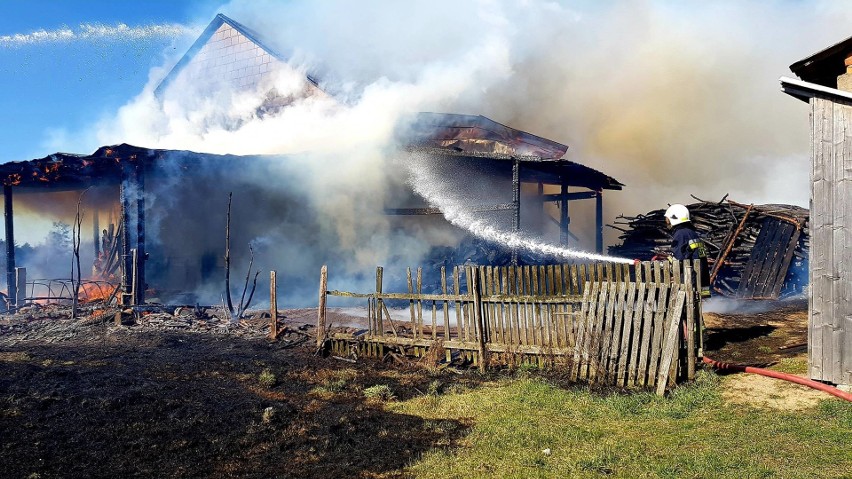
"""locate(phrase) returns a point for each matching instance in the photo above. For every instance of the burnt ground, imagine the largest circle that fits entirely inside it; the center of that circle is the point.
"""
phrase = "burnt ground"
(87, 398)
(757, 333)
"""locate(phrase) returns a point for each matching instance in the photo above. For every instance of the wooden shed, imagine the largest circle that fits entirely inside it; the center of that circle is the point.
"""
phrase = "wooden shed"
(826, 84)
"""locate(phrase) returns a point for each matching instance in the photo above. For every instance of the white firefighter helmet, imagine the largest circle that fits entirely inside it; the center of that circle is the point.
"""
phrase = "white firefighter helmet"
(677, 214)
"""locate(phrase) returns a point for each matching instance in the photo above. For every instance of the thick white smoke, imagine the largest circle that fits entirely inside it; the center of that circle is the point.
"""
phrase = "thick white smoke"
(670, 98)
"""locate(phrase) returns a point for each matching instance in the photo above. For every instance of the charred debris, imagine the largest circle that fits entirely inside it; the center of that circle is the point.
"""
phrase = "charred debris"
(754, 251)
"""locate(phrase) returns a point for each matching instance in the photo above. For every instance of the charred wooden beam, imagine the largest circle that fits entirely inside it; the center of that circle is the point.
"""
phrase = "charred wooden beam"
(96, 233)
(11, 286)
(577, 195)
(516, 200)
(124, 227)
(599, 222)
(141, 256)
(564, 219)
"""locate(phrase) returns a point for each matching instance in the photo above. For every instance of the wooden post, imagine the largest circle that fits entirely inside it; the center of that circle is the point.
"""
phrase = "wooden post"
(134, 276)
(323, 289)
(21, 286)
(599, 222)
(11, 285)
(379, 303)
(411, 305)
(516, 203)
(96, 230)
(446, 306)
(477, 314)
(699, 311)
(126, 260)
(141, 257)
(564, 219)
(273, 304)
(692, 295)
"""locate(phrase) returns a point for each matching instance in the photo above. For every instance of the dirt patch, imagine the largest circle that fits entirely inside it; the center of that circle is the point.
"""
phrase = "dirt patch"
(761, 391)
(759, 338)
(768, 335)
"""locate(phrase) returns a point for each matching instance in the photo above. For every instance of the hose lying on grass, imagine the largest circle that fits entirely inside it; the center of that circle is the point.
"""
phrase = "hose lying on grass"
(775, 374)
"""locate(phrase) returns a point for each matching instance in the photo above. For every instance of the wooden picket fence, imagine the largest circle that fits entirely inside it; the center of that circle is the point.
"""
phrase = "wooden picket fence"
(625, 325)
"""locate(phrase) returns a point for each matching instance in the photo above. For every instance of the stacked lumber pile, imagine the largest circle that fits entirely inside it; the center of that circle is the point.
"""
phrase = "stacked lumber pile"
(730, 231)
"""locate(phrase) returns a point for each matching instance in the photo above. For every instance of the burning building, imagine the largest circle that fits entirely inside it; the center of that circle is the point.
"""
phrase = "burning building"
(157, 216)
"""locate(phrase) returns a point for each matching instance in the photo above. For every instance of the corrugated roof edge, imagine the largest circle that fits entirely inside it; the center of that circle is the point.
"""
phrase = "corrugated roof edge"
(202, 39)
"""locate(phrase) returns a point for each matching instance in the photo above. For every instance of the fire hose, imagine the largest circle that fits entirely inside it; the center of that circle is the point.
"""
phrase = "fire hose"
(775, 374)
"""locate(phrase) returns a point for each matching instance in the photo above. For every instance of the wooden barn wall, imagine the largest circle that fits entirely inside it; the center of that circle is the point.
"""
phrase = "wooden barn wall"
(830, 312)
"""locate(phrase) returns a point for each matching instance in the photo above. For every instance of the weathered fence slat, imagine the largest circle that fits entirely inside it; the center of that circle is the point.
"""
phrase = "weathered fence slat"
(500, 327)
(515, 306)
(610, 329)
(627, 324)
(476, 288)
(460, 327)
(659, 316)
(637, 334)
(647, 330)
(596, 330)
(445, 303)
(672, 323)
(506, 308)
(587, 327)
(580, 332)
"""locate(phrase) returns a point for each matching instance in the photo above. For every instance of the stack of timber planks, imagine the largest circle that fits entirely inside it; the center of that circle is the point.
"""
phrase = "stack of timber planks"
(754, 251)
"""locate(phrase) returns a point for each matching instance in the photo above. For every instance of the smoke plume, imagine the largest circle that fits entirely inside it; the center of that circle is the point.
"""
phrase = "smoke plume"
(671, 99)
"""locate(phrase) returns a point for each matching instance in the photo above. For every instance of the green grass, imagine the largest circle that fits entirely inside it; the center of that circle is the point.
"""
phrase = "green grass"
(798, 365)
(690, 434)
(267, 379)
(379, 391)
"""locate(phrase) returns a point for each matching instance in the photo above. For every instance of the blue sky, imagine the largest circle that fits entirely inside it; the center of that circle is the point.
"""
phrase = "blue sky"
(54, 88)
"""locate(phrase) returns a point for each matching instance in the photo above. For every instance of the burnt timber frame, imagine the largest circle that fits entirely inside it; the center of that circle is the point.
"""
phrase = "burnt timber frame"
(535, 169)
(122, 165)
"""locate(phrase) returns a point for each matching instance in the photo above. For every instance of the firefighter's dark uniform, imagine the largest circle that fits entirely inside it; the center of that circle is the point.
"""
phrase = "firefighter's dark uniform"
(687, 245)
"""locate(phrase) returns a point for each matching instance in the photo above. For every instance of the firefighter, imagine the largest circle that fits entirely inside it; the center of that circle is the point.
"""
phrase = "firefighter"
(687, 244)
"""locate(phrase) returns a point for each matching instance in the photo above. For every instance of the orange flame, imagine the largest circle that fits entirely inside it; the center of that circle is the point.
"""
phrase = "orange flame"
(92, 292)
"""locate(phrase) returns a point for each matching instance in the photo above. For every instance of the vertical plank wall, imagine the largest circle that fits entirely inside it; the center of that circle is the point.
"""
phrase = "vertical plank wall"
(830, 271)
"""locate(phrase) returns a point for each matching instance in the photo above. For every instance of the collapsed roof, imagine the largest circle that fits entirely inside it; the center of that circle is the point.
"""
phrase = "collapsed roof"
(491, 143)
(478, 134)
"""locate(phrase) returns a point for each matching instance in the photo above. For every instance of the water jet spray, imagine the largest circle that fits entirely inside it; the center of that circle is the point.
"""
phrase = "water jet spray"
(459, 214)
